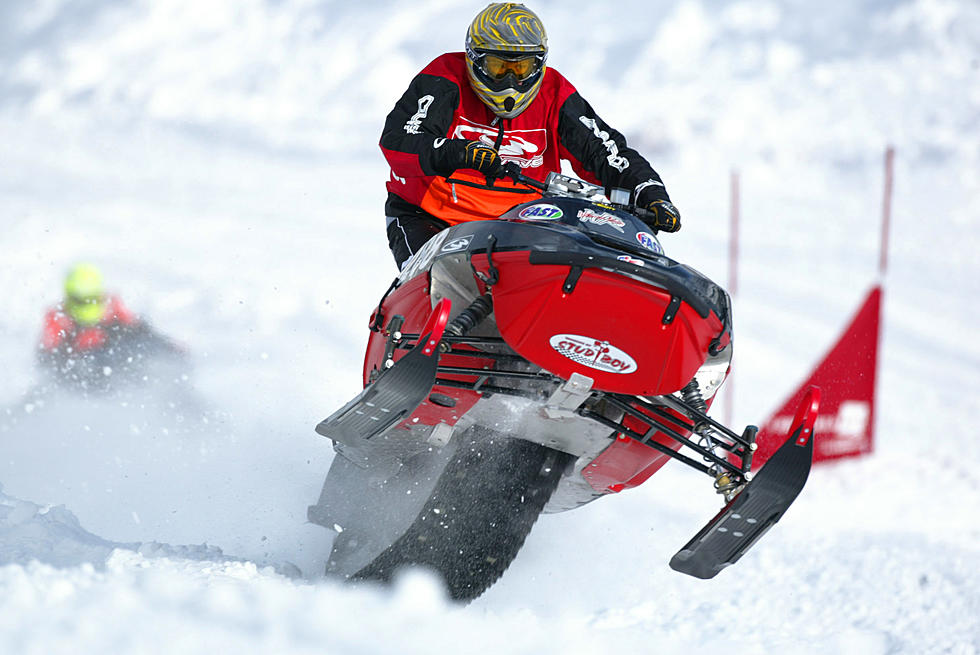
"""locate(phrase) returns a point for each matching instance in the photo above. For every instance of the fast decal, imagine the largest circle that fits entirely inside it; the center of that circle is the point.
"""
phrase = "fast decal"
(541, 212)
(457, 244)
(647, 241)
(523, 147)
(615, 160)
(601, 218)
(415, 122)
(631, 260)
(422, 259)
(593, 353)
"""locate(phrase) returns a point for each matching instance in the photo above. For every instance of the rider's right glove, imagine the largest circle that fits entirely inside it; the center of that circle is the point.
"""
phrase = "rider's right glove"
(666, 217)
(454, 154)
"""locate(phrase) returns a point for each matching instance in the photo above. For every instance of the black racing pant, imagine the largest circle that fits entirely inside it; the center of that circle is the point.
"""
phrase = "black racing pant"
(408, 228)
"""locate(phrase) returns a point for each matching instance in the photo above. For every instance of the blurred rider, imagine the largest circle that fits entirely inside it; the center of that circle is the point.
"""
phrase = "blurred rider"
(83, 321)
(467, 113)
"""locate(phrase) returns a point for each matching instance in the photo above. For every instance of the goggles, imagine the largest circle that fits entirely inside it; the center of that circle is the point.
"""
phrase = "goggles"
(87, 310)
(88, 299)
(498, 66)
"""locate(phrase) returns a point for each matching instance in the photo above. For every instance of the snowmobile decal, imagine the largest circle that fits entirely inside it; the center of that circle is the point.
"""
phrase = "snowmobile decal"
(594, 353)
(456, 244)
(421, 260)
(541, 212)
(647, 241)
(602, 218)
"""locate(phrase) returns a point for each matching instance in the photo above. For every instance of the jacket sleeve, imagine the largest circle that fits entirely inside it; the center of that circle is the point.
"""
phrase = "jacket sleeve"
(117, 312)
(422, 115)
(55, 329)
(593, 147)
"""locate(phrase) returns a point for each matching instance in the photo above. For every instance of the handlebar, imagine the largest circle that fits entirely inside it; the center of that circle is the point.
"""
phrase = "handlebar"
(569, 187)
(513, 171)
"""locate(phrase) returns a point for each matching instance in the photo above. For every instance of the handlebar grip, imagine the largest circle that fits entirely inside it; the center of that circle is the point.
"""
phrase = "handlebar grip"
(512, 170)
(644, 215)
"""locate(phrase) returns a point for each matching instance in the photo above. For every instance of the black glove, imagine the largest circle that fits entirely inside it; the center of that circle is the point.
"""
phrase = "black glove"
(665, 217)
(453, 154)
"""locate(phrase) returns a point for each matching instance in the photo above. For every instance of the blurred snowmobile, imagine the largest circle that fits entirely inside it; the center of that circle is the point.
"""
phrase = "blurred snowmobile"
(533, 364)
(91, 343)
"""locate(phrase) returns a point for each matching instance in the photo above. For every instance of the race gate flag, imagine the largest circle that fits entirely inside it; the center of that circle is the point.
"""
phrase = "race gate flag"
(847, 376)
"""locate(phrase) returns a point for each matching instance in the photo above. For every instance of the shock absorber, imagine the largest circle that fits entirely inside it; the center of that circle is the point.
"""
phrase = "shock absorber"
(468, 319)
(724, 483)
(692, 396)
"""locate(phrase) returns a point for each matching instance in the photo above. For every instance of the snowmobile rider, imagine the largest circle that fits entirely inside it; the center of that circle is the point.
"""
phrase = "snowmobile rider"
(466, 114)
(90, 330)
(81, 322)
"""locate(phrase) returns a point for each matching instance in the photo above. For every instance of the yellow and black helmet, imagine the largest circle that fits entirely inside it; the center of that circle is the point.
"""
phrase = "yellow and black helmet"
(506, 51)
(85, 300)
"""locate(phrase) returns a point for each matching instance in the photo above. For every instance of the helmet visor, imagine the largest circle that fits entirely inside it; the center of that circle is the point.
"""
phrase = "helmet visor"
(499, 66)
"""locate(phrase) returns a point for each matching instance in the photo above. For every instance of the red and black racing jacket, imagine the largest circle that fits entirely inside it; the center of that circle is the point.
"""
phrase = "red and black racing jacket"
(61, 330)
(558, 124)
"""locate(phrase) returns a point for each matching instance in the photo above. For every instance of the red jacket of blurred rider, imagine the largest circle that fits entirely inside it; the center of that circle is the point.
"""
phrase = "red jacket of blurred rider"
(60, 330)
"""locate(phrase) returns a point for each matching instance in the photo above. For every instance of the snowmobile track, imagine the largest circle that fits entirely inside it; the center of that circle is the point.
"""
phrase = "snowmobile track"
(478, 516)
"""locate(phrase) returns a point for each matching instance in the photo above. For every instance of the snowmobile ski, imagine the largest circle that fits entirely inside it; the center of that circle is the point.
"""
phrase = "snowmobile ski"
(759, 505)
(395, 394)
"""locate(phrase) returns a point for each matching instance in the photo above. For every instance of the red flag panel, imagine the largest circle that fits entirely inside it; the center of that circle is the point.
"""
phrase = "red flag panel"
(847, 375)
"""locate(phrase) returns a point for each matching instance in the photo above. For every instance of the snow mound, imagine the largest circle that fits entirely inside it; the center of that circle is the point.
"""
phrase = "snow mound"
(54, 536)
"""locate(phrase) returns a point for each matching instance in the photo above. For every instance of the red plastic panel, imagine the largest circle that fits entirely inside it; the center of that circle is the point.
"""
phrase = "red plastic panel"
(609, 328)
(625, 463)
(430, 413)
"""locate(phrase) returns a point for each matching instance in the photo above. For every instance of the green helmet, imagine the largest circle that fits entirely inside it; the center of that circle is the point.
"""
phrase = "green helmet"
(84, 294)
(506, 51)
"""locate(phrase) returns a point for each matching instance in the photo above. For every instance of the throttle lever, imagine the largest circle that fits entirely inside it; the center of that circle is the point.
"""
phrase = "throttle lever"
(513, 171)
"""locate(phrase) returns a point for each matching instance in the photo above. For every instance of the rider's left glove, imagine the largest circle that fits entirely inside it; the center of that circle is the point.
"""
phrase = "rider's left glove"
(664, 216)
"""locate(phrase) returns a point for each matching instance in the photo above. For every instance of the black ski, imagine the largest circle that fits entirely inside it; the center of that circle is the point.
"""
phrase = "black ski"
(758, 506)
(394, 395)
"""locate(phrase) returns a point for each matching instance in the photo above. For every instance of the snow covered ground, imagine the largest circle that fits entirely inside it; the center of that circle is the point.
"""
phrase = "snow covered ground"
(218, 160)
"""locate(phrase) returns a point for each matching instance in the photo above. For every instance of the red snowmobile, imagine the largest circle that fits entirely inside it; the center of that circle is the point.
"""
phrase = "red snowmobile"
(533, 364)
